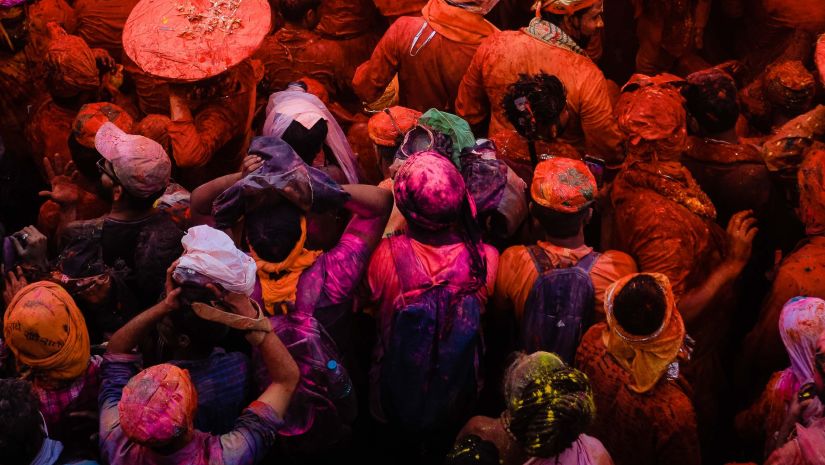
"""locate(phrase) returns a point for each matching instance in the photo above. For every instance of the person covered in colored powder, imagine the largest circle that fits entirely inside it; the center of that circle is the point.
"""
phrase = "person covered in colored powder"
(645, 415)
(552, 43)
(548, 407)
(444, 38)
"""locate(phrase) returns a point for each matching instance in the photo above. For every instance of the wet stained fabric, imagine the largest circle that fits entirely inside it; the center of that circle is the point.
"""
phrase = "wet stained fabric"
(394, 8)
(657, 427)
(517, 273)
(346, 18)
(429, 72)
(48, 132)
(513, 149)
(503, 56)
(15, 73)
(100, 23)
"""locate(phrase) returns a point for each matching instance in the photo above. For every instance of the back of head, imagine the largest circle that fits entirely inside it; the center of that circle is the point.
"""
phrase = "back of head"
(789, 87)
(203, 334)
(274, 231)
(712, 100)
(534, 103)
(548, 404)
(562, 192)
(653, 119)
(158, 405)
(20, 422)
(306, 142)
(640, 306)
(86, 124)
(294, 11)
(555, 11)
(429, 191)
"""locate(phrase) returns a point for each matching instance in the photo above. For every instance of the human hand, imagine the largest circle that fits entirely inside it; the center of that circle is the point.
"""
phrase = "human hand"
(63, 177)
(104, 61)
(238, 304)
(14, 281)
(172, 289)
(31, 246)
(741, 231)
(250, 164)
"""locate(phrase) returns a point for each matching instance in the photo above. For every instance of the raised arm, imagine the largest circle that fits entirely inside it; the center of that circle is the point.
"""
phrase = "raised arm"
(203, 196)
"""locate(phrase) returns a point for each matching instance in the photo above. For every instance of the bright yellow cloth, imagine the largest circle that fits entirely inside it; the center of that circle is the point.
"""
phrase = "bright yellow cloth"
(645, 357)
(279, 281)
(45, 330)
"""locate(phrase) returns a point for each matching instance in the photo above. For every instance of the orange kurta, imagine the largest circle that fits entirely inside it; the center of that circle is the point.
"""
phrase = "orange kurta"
(504, 55)
(429, 79)
(346, 18)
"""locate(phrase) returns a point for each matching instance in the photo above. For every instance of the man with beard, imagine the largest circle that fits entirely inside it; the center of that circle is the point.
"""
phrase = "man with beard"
(553, 43)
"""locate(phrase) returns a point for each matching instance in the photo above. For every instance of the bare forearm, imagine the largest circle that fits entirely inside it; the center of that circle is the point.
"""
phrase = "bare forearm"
(282, 370)
(128, 337)
(693, 304)
(368, 201)
(179, 110)
(203, 196)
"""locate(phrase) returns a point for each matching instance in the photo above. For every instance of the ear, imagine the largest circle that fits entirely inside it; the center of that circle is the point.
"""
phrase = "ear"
(184, 341)
(117, 192)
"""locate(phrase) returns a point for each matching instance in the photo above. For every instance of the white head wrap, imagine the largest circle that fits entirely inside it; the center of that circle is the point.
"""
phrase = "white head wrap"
(212, 253)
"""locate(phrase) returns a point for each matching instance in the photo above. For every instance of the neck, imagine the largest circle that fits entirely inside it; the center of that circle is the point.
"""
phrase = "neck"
(122, 213)
(726, 136)
(434, 238)
(572, 242)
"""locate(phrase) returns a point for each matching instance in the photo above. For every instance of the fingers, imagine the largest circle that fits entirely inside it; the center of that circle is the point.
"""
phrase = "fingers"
(46, 194)
(47, 165)
(18, 247)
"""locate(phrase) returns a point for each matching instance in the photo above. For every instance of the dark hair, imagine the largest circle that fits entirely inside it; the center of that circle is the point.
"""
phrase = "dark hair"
(559, 224)
(294, 11)
(547, 98)
(20, 421)
(273, 231)
(713, 104)
(136, 203)
(553, 412)
(84, 158)
(640, 306)
(472, 450)
(203, 333)
(306, 142)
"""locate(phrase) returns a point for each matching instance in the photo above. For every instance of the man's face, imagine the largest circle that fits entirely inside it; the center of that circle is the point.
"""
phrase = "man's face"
(591, 22)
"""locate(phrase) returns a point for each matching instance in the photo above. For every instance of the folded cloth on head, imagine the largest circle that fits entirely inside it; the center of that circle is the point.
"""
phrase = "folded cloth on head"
(453, 126)
(211, 253)
(283, 176)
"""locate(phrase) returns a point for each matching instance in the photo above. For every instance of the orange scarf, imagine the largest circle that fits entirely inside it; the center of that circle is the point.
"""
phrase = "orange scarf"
(279, 281)
(647, 358)
(457, 24)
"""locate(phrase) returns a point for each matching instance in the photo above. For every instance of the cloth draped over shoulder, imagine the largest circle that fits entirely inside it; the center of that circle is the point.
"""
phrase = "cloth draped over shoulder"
(647, 358)
(287, 106)
(60, 351)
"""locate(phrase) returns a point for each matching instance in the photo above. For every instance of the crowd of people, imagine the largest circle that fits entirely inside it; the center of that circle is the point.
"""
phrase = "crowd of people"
(567, 232)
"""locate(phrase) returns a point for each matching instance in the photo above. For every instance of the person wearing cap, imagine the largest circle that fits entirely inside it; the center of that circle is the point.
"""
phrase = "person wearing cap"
(645, 415)
(65, 376)
(670, 33)
(553, 43)
(563, 193)
(147, 417)
(134, 237)
(297, 50)
(428, 53)
(445, 241)
(799, 273)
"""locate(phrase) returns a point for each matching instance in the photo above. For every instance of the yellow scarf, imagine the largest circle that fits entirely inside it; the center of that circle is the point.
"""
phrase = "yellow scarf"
(279, 281)
(647, 358)
(457, 24)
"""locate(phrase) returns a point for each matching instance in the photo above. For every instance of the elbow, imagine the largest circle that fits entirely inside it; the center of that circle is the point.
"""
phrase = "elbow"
(292, 375)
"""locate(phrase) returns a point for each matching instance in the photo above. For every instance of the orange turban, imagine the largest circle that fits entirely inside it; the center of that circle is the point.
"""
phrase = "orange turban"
(384, 130)
(653, 114)
(563, 185)
(46, 331)
(72, 65)
(92, 116)
(158, 405)
(647, 358)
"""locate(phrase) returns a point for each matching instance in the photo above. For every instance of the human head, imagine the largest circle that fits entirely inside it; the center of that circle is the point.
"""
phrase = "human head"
(801, 323)
(61, 350)
(645, 331)
(86, 124)
(548, 404)
(210, 257)
(580, 19)
(472, 450)
(536, 106)
(711, 98)
(789, 87)
(300, 12)
(275, 231)
(562, 192)
(158, 406)
(21, 424)
(429, 191)
(70, 63)
(306, 142)
(654, 121)
(13, 21)
(183, 334)
(811, 181)
(387, 129)
(134, 168)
